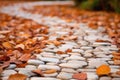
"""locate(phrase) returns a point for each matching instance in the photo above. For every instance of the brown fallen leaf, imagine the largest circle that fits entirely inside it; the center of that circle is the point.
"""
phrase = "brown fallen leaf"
(38, 71)
(17, 76)
(25, 57)
(60, 52)
(68, 50)
(4, 58)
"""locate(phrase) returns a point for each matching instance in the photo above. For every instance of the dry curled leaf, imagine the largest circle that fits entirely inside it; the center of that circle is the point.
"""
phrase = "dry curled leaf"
(103, 70)
(17, 76)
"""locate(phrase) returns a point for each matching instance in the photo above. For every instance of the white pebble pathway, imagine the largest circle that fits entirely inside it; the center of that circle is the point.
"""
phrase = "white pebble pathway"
(86, 54)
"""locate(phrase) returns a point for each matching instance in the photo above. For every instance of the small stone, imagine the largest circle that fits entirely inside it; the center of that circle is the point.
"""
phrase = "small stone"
(92, 76)
(46, 59)
(70, 65)
(86, 48)
(11, 66)
(43, 78)
(27, 72)
(35, 62)
(88, 55)
(6, 73)
(93, 63)
(77, 50)
(51, 63)
(74, 57)
(44, 67)
(80, 76)
(101, 44)
(86, 70)
(105, 78)
(68, 70)
(64, 75)
(32, 67)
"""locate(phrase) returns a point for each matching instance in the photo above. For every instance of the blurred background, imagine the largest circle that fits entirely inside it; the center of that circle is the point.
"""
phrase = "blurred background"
(97, 5)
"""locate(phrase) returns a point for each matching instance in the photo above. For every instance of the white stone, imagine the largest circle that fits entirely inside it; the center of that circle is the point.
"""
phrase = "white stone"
(30, 67)
(91, 76)
(77, 50)
(27, 72)
(101, 44)
(44, 67)
(68, 70)
(86, 70)
(43, 78)
(88, 55)
(74, 57)
(74, 64)
(86, 48)
(6, 73)
(47, 59)
(64, 75)
(94, 63)
(12, 66)
(35, 62)
(105, 78)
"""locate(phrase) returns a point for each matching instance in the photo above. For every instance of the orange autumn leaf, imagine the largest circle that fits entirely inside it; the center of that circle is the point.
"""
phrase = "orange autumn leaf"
(103, 70)
(7, 45)
(17, 76)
